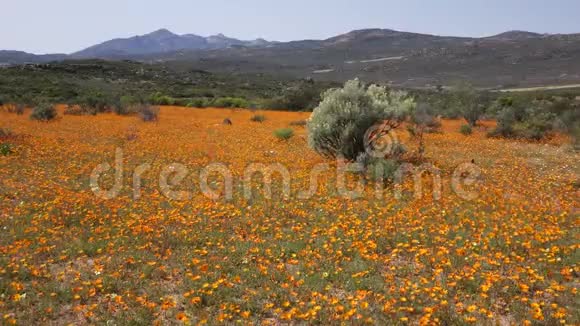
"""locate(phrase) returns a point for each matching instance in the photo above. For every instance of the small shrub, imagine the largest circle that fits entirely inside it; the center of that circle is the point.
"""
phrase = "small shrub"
(381, 169)
(43, 112)
(506, 118)
(533, 123)
(126, 105)
(298, 123)
(5, 149)
(19, 108)
(198, 103)
(424, 121)
(79, 110)
(180, 102)
(132, 133)
(533, 129)
(466, 130)
(299, 98)
(5, 133)
(575, 134)
(284, 133)
(149, 113)
(397, 151)
(258, 118)
(433, 127)
(128, 100)
(468, 102)
(159, 99)
(569, 122)
(15, 108)
(411, 129)
(423, 116)
(72, 110)
(93, 103)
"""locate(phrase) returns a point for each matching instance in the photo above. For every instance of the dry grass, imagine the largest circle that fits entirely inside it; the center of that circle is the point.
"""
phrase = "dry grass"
(68, 257)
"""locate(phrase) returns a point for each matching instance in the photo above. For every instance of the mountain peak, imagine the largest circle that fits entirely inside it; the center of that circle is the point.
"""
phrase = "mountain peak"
(163, 32)
(365, 34)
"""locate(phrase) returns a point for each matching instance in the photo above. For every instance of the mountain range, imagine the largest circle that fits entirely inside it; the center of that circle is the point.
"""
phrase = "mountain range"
(409, 59)
(162, 41)
(158, 42)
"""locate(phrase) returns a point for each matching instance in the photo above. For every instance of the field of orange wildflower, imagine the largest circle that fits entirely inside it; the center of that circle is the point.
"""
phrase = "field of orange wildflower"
(508, 256)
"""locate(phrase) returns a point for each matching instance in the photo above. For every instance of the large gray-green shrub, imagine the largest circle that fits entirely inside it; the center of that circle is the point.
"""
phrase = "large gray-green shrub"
(338, 125)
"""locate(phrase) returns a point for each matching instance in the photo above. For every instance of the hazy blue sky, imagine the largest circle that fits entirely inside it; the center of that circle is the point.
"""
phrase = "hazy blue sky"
(47, 26)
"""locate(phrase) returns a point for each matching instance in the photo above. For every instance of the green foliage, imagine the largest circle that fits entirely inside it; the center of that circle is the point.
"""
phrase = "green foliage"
(284, 133)
(126, 105)
(160, 99)
(469, 102)
(258, 118)
(230, 102)
(532, 123)
(466, 130)
(128, 101)
(6, 149)
(198, 103)
(43, 112)
(298, 123)
(506, 118)
(423, 117)
(339, 124)
(569, 122)
(221, 102)
(94, 102)
(71, 80)
(442, 103)
(560, 106)
(536, 127)
(302, 97)
(148, 113)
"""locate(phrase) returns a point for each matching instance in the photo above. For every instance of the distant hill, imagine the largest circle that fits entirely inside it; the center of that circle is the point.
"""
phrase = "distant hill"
(514, 58)
(516, 35)
(19, 57)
